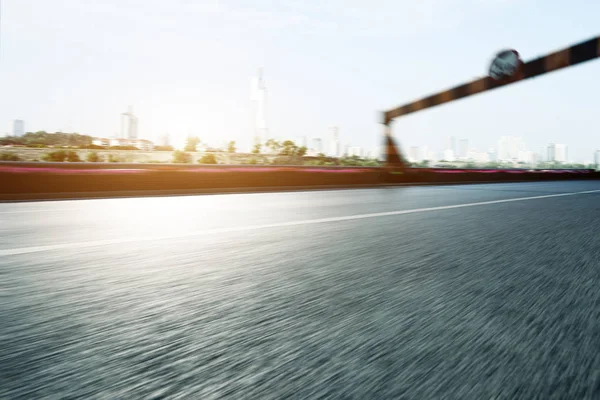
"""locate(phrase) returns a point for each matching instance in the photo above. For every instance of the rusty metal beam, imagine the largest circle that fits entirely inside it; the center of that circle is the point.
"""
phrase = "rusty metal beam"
(576, 54)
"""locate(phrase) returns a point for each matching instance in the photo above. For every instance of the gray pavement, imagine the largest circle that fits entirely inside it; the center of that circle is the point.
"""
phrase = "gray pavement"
(450, 292)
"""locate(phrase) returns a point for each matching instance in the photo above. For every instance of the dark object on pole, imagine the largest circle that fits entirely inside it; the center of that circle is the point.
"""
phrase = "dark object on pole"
(506, 64)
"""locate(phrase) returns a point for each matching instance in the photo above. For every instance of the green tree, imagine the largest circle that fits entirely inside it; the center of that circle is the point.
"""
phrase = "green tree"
(421, 164)
(9, 157)
(287, 148)
(445, 165)
(73, 156)
(163, 148)
(352, 161)
(301, 151)
(61, 156)
(191, 144)
(11, 140)
(55, 156)
(123, 148)
(181, 157)
(94, 157)
(273, 144)
(492, 165)
(256, 148)
(113, 158)
(231, 147)
(43, 138)
(371, 163)
(208, 159)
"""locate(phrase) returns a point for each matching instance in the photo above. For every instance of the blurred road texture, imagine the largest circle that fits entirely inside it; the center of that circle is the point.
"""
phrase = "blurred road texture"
(450, 292)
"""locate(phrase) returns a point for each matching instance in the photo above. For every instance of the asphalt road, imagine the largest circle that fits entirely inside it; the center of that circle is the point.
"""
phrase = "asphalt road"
(450, 292)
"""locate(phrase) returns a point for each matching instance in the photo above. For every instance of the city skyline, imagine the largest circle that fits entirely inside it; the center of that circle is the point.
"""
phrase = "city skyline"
(507, 148)
(70, 78)
(510, 149)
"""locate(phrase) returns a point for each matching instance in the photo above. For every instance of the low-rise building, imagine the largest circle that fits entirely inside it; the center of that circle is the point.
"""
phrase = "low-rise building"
(101, 142)
(141, 144)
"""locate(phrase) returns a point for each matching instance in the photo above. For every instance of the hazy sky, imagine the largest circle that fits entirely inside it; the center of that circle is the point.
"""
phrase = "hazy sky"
(186, 65)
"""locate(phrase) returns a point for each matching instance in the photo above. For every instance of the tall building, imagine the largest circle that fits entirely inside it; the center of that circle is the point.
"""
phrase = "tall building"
(557, 152)
(562, 153)
(463, 148)
(509, 148)
(597, 158)
(355, 151)
(551, 152)
(448, 155)
(258, 97)
(478, 156)
(17, 127)
(317, 145)
(129, 125)
(335, 147)
(527, 157)
(451, 144)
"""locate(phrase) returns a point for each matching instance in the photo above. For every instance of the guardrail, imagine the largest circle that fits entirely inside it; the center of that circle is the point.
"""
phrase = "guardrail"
(14, 165)
(169, 166)
(20, 180)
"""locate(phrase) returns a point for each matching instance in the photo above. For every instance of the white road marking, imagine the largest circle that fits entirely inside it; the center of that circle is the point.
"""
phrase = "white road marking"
(95, 243)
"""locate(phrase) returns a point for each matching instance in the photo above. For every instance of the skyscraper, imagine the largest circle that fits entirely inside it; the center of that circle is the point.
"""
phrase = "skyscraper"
(129, 125)
(551, 152)
(463, 148)
(597, 158)
(448, 155)
(258, 97)
(317, 145)
(526, 156)
(562, 153)
(355, 151)
(334, 150)
(509, 148)
(17, 127)
(451, 144)
(557, 152)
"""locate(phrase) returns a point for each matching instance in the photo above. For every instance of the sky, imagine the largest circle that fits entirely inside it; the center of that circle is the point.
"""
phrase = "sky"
(186, 65)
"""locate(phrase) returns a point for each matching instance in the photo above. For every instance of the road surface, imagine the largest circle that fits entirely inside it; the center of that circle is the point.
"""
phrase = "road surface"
(451, 292)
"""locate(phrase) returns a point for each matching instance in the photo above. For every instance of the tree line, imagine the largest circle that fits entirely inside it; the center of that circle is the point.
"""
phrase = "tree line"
(282, 148)
(46, 139)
